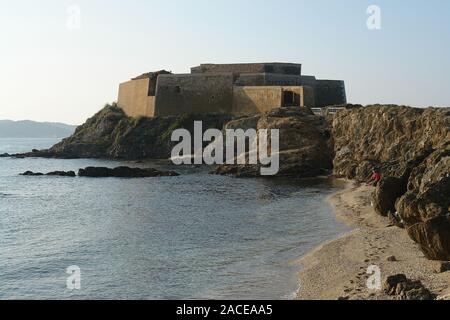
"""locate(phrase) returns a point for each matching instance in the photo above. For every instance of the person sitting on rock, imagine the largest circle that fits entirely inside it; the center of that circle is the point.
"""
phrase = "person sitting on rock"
(375, 178)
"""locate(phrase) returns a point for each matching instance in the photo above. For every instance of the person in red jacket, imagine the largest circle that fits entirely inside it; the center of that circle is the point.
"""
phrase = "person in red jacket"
(375, 178)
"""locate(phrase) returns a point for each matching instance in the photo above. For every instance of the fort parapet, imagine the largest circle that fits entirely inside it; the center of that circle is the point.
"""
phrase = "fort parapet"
(238, 89)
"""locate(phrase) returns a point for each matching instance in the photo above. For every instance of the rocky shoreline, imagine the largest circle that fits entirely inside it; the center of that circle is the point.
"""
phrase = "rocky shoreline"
(341, 268)
(110, 134)
(411, 147)
(103, 172)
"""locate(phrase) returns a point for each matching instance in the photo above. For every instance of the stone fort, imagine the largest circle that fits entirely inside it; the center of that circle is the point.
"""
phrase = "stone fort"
(237, 89)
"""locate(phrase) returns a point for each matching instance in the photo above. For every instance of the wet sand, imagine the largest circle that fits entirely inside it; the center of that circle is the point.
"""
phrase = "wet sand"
(339, 269)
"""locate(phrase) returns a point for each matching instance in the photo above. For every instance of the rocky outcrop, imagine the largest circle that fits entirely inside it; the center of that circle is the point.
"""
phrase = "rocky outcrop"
(393, 138)
(428, 193)
(386, 194)
(425, 208)
(305, 143)
(412, 149)
(62, 173)
(433, 236)
(111, 134)
(31, 173)
(54, 173)
(124, 172)
(101, 172)
(402, 288)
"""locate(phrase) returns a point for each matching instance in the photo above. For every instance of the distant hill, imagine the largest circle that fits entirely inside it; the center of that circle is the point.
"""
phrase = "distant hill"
(32, 129)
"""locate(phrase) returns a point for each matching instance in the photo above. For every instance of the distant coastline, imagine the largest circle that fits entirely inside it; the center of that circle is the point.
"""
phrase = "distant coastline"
(33, 129)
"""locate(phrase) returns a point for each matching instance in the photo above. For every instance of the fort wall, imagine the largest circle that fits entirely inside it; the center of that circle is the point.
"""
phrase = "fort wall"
(254, 100)
(308, 98)
(259, 99)
(309, 81)
(199, 93)
(134, 99)
(329, 93)
(273, 79)
(257, 79)
(268, 79)
(243, 68)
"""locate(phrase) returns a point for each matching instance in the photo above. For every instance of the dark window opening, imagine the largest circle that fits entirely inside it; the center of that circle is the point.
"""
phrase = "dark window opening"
(291, 99)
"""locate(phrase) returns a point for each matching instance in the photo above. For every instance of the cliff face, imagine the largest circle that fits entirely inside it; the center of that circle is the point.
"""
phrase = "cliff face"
(111, 134)
(393, 138)
(412, 149)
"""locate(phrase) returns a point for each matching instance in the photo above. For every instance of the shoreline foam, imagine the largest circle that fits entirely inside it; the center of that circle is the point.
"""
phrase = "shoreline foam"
(337, 269)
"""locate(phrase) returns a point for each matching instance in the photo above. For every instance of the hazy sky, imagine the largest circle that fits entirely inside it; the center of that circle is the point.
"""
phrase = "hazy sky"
(51, 70)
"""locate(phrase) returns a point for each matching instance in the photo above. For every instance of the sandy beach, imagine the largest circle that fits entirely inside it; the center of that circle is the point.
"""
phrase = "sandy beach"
(339, 269)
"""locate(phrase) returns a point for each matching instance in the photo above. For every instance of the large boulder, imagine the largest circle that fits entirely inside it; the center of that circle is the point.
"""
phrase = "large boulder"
(425, 208)
(402, 288)
(299, 163)
(386, 194)
(433, 236)
(305, 143)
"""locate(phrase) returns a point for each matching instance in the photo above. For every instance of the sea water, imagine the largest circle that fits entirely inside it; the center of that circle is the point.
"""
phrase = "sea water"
(195, 236)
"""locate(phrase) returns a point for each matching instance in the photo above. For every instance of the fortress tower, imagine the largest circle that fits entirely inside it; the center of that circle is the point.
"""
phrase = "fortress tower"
(239, 89)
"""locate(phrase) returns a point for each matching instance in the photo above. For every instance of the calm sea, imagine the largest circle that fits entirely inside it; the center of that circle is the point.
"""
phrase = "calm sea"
(196, 236)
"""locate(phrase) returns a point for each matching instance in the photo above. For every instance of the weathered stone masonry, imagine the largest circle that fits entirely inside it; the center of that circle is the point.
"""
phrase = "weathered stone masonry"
(239, 89)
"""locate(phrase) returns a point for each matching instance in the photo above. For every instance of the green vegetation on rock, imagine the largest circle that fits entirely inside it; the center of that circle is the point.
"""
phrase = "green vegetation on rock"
(111, 134)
